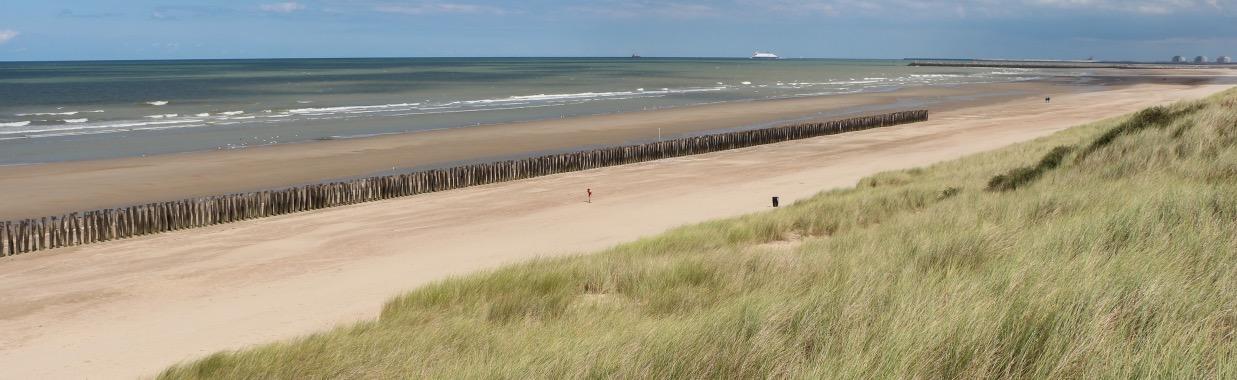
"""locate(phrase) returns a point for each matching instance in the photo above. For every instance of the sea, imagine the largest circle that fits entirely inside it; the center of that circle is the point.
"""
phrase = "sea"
(62, 111)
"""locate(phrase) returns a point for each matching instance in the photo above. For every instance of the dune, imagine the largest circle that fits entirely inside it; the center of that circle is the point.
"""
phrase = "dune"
(130, 308)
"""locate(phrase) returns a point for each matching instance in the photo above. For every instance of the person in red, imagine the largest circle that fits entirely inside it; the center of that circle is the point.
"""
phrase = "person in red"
(590, 195)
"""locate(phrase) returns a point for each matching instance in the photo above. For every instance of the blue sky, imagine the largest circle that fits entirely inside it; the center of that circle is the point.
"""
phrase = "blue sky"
(171, 29)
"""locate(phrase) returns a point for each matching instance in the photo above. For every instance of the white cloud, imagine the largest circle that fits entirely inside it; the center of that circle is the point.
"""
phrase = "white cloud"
(435, 7)
(633, 9)
(7, 35)
(805, 7)
(285, 7)
(1137, 6)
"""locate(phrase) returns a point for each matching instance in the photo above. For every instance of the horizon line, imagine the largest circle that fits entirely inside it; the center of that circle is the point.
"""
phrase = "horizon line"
(573, 57)
(442, 57)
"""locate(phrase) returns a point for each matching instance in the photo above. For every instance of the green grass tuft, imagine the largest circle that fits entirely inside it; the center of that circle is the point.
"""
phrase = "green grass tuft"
(1025, 175)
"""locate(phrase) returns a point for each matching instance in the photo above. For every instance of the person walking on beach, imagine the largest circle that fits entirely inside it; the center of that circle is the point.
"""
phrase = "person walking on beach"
(1048, 100)
(590, 195)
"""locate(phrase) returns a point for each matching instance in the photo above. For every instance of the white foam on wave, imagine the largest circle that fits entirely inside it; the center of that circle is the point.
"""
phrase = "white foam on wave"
(145, 123)
(746, 83)
(172, 121)
(61, 114)
(15, 124)
(477, 104)
(327, 110)
(157, 102)
(460, 110)
(80, 129)
(1010, 71)
(586, 95)
(48, 113)
(936, 76)
(161, 128)
(67, 113)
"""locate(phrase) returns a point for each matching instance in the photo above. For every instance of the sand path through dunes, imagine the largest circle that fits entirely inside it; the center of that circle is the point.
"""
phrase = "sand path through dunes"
(130, 308)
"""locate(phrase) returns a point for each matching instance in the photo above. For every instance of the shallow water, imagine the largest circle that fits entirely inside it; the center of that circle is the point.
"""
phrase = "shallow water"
(56, 111)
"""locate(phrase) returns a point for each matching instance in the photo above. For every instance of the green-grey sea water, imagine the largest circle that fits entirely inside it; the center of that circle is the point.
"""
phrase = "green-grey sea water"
(56, 111)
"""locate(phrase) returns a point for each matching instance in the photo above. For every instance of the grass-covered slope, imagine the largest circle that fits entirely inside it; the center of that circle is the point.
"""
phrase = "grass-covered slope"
(1105, 251)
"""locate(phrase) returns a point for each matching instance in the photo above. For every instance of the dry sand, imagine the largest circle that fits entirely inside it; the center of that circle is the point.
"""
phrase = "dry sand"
(129, 308)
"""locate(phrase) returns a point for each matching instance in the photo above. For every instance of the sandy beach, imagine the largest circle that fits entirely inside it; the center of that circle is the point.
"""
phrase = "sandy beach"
(60, 188)
(130, 308)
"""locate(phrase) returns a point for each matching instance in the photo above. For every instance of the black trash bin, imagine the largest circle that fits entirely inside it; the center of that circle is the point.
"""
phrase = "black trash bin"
(774, 201)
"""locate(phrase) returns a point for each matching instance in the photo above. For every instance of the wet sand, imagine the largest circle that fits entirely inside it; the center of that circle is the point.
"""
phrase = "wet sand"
(130, 308)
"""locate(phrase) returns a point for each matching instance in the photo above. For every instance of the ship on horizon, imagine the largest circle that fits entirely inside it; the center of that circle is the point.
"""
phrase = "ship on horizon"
(764, 55)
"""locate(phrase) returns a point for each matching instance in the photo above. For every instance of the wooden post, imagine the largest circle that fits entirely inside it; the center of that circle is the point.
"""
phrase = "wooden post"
(5, 249)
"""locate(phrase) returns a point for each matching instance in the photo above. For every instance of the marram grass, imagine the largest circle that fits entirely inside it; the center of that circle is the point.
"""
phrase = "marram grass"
(1108, 251)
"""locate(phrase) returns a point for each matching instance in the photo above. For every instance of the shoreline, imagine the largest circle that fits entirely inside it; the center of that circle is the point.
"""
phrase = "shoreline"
(38, 190)
(660, 109)
(190, 293)
(58, 188)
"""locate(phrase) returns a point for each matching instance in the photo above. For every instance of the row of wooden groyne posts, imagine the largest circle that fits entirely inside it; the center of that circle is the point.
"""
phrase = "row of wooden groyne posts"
(30, 235)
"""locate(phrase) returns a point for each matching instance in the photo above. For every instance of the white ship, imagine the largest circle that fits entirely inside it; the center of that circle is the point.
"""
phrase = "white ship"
(764, 55)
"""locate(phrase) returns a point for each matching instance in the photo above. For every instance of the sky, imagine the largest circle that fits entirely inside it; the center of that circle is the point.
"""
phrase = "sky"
(1152, 30)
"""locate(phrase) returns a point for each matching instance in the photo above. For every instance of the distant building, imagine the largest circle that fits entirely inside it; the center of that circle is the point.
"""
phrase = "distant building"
(1224, 60)
(1178, 59)
(1201, 59)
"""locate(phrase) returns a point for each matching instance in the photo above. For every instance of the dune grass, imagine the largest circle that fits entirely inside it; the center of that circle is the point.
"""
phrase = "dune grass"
(1104, 251)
